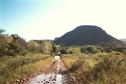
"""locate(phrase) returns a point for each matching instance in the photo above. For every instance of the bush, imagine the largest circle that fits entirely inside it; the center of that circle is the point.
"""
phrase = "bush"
(89, 49)
(64, 51)
(111, 70)
(34, 46)
(77, 65)
(74, 50)
(13, 46)
(3, 48)
(47, 47)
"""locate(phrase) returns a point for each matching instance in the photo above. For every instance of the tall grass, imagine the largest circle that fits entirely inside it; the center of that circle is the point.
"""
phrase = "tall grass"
(69, 59)
(111, 70)
(99, 68)
(12, 68)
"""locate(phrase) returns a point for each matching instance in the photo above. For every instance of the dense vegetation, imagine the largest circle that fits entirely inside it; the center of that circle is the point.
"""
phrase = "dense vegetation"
(19, 58)
(12, 68)
(15, 45)
(89, 64)
(99, 68)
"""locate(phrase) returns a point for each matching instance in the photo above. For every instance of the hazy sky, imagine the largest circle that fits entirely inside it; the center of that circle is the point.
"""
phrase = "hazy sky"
(47, 19)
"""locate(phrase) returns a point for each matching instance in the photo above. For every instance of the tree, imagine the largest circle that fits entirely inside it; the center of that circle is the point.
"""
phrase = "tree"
(1, 31)
(47, 47)
(89, 49)
(33, 46)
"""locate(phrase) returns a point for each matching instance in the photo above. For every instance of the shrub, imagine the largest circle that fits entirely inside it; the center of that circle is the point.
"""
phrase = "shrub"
(89, 49)
(33, 46)
(111, 70)
(76, 65)
(12, 46)
(47, 47)
(64, 51)
(74, 50)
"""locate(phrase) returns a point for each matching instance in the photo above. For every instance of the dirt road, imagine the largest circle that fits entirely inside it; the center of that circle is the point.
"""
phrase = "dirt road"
(53, 74)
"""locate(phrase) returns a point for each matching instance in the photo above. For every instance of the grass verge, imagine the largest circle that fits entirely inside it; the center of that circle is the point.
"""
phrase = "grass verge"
(12, 68)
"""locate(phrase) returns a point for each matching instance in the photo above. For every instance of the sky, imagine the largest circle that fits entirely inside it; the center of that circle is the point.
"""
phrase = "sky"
(47, 19)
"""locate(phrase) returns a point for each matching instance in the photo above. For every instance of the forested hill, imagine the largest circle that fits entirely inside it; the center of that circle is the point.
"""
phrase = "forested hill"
(88, 35)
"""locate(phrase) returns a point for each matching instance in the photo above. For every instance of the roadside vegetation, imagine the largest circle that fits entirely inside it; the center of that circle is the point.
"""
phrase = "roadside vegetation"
(12, 68)
(99, 68)
(89, 64)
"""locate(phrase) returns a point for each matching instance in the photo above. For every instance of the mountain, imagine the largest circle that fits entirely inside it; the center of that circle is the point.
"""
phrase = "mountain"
(124, 40)
(88, 35)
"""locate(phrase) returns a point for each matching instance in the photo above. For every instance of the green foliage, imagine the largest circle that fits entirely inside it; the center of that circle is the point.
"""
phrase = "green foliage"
(64, 51)
(54, 49)
(74, 50)
(3, 48)
(12, 45)
(119, 49)
(70, 50)
(16, 48)
(47, 47)
(90, 49)
(43, 46)
(34, 46)
(1, 31)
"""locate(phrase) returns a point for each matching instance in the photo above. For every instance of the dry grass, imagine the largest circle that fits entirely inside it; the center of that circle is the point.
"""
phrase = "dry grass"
(69, 59)
(12, 68)
(99, 68)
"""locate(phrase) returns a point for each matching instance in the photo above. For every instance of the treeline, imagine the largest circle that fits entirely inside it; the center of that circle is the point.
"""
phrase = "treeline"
(82, 49)
(87, 49)
(15, 45)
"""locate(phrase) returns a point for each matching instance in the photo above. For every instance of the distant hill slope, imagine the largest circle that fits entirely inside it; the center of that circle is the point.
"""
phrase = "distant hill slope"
(124, 40)
(88, 35)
